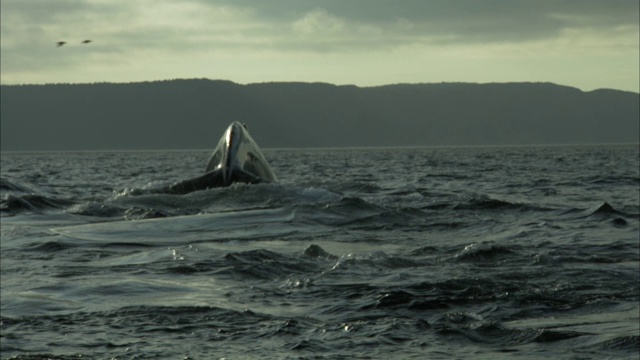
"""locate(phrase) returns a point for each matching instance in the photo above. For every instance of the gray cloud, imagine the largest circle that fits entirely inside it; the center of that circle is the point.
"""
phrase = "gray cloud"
(459, 20)
(197, 32)
(331, 23)
(420, 10)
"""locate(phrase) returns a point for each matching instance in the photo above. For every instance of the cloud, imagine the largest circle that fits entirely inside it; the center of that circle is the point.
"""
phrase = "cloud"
(455, 20)
(288, 24)
(319, 21)
(155, 38)
(123, 32)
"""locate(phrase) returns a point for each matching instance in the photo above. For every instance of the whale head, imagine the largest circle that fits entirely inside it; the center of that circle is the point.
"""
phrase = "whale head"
(237, 158)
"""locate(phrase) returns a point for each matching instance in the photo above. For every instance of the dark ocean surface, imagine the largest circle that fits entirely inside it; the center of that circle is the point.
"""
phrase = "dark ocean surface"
(411, 253)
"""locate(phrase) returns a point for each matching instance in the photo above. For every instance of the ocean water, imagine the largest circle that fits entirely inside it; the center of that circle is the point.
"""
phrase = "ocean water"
(409, 253)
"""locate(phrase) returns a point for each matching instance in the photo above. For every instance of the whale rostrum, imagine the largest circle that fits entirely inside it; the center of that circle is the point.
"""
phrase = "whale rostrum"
(236, 158)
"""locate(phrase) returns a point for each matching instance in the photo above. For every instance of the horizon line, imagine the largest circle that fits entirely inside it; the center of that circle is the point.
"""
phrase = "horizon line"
(308, 82)
(317, 148)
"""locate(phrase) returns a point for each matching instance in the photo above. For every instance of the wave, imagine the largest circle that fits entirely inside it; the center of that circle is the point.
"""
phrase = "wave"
(13, 186)
(613, 180)
(265, 264)
(362, 211)
(315, 251)
(101, 209)
(20, 197)
(604, 212)
(313, 205)
(13, 204)
(484, 252)
(608, 213)
(609, 253)
(49, 247)
(262, 264)
(483, 202)
(629, 344)
(473, 327)
(604, 209)
(235, 197)
(97, 209)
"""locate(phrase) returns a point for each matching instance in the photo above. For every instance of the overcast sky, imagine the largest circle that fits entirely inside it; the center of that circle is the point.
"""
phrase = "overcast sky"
(588, 44)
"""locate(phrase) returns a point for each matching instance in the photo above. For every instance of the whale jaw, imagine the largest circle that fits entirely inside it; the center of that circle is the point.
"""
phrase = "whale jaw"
(237, 158)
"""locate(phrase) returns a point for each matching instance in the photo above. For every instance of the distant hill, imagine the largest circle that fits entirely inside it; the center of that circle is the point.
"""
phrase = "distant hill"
(192, 114)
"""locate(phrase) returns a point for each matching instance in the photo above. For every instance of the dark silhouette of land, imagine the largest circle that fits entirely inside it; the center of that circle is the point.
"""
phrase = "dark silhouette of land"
(192, 114)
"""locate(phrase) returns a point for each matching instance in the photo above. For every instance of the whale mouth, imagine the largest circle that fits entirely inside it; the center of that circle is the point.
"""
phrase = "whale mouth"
(236, 158)
(234, 136)
(239, 159)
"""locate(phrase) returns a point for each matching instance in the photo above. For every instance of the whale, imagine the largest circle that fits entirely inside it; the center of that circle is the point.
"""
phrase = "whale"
(236, 159)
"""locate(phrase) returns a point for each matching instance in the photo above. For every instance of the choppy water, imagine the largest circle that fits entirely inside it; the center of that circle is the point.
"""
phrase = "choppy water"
(357, 253)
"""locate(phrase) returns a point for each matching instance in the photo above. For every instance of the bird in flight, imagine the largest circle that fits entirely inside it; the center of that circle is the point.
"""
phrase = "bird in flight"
(60, 43)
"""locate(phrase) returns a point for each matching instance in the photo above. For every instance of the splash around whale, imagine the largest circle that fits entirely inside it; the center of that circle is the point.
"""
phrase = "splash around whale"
(236, 158)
